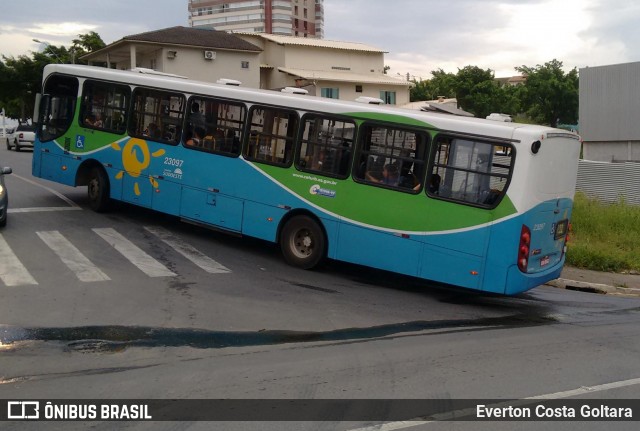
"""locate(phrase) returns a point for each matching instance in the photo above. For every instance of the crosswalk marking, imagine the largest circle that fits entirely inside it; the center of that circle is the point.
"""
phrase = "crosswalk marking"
(188, 251)
(84, 269)
(135, 255)
(12, 271)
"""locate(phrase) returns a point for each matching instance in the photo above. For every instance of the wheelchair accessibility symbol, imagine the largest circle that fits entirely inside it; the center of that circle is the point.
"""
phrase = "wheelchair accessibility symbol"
(80, 141)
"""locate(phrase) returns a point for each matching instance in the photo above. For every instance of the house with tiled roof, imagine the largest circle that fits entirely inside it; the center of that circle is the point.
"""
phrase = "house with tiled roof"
(335, 69)
(202, 54)
(340, 70)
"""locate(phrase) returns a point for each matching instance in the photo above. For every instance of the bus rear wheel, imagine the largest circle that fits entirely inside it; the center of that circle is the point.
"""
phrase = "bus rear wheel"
(303, 242)
(98, 190)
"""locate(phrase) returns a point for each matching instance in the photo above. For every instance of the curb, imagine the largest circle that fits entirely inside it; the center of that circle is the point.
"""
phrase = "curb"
(603, 289)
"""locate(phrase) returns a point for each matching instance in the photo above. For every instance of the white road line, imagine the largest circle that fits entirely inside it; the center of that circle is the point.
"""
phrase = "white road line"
(393, 426)
(84, 269)
(12, 271)
(41, 209)
(188, 251)
(50, 190)
(135, 255)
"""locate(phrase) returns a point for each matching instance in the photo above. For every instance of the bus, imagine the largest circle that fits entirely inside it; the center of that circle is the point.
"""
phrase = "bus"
(461, 201)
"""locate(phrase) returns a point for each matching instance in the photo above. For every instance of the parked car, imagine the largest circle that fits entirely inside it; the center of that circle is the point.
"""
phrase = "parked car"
(4, 199)
(7, 135)
(24, 136)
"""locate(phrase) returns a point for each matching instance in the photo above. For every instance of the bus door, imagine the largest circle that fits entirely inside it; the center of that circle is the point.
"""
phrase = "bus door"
(55, 116)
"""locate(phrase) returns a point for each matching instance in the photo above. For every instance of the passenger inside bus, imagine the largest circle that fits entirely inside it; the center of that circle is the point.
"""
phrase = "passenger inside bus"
(196, 118)
(434, 184)
(374, 168)
(196, 140)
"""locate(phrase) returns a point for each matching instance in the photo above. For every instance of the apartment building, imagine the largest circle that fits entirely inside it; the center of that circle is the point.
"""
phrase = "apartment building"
(303, 18)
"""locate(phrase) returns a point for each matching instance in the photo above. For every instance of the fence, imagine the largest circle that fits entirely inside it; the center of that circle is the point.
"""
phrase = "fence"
(610, 182)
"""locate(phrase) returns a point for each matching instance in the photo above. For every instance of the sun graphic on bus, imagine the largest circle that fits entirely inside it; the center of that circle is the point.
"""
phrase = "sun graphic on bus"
(132, 164)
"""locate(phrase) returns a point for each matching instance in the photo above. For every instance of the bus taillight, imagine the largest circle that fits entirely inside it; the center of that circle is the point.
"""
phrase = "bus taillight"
(523, 249)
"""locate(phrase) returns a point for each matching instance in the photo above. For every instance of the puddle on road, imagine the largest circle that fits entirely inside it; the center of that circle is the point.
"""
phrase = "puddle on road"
(117, 338)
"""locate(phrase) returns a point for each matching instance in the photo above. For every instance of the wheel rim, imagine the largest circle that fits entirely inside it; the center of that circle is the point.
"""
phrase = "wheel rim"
(302, 243)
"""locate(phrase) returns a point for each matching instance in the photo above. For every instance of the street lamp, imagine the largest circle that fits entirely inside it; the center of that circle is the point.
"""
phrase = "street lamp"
(50, 50)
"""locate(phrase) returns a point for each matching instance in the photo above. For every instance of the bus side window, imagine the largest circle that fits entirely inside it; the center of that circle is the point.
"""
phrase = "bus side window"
(391, 157)
(104, 106)
(271, 136)
(469, 171)
(157, 115)
(326, 146)
(219, 123)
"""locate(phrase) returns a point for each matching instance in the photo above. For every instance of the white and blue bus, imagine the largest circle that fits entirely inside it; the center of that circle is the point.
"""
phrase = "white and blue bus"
(468, 202)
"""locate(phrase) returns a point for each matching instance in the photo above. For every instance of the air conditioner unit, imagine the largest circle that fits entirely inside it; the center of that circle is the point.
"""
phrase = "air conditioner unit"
(209, 55)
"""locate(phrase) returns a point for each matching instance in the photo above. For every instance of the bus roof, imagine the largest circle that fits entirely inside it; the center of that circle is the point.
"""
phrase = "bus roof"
(500, 130)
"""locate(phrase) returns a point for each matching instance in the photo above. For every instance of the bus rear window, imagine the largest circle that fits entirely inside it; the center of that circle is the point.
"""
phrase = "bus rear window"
(470, 171)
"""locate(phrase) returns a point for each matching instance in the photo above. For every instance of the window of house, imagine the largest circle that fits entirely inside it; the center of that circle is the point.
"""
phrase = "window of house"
(326, 146)
(214, 126)
(244, 64)
(470, 171)
(271, 135)
(391, 157)
(157, 115)
(358, 88)
(330, 93)
(104, 106)
(389, 97)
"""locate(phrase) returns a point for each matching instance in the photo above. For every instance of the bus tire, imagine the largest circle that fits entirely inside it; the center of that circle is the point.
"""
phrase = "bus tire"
(98, 190)
(303, 242)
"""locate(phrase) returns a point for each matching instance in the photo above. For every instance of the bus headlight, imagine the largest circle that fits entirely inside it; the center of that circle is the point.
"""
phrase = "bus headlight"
(1, 191)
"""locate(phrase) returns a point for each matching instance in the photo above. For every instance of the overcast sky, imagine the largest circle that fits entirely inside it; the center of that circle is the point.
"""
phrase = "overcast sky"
(419, 35)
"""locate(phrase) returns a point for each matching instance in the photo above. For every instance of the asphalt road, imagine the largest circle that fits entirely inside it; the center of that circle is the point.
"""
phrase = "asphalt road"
(136, 305)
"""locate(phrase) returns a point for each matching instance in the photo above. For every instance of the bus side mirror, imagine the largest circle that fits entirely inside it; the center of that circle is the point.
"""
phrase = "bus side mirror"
(36, 110)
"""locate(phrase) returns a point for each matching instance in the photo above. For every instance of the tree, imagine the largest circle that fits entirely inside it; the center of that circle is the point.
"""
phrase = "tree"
(441, 84)
(477, 91)
(86, 43)
(550, 96)
(21, 77)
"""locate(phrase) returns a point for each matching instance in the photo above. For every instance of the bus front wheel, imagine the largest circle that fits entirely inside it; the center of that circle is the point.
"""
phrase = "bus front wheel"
(302, 242)
(98, 190)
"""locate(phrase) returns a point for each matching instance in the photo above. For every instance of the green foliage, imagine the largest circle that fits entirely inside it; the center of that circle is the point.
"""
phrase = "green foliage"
(442, 84)
(550, 96)
(604, 237)
(20, 78)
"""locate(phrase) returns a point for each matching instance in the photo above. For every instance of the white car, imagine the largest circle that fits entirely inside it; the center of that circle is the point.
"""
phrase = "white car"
(24, 136)
(7, 135)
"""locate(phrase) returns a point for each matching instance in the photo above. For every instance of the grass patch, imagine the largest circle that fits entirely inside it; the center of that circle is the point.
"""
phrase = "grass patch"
(604, 237)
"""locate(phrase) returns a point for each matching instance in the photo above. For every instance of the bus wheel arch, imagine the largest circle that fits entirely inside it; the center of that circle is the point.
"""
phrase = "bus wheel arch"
(93, 175)
(303, 239)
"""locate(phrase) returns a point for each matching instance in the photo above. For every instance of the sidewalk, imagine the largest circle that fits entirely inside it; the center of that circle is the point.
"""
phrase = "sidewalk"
(598, 282)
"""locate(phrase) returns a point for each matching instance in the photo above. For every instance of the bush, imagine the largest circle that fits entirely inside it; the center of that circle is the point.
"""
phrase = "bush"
(604, 237)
